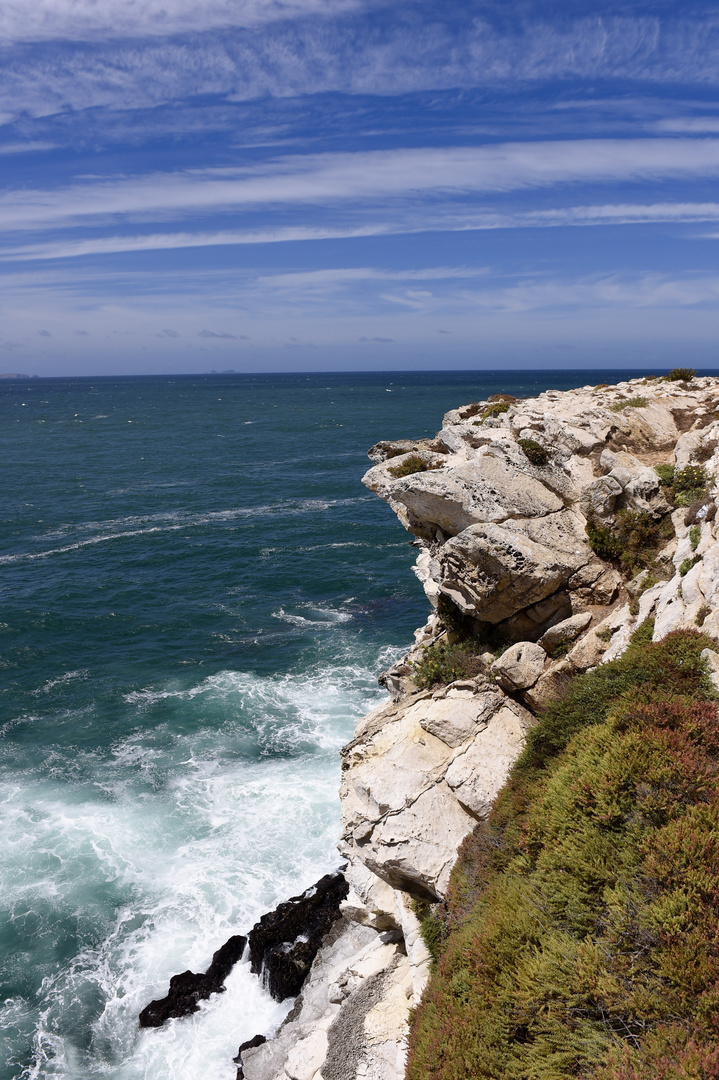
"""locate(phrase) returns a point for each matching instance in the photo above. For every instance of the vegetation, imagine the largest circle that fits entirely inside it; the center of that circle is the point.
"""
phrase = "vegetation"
(689, 485)
(665, 474)
(580, 928)
(695, 535)
(632, 542)
(630, 403)
(534, 451)
(680, 374)
(413, 463)
(560, 648)
(688, 563)
(495, 409)
(444, 663)
(432, 929)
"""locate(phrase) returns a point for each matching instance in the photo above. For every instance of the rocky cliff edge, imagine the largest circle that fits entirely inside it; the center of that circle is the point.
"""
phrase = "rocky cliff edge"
(548, 529)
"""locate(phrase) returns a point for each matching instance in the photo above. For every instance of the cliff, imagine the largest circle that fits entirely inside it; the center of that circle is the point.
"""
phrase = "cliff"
(548, 530)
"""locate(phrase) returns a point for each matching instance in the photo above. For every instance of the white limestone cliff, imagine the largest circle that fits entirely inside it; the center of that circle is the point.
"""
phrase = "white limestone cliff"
(503, 545)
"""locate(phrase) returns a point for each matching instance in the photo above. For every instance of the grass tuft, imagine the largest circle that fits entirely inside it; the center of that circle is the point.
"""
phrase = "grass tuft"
(413, 463)
(534, 451)
(630, 403)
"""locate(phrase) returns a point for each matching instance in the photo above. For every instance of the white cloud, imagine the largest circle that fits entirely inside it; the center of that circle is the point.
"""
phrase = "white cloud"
(311, 47)
(695, 125)
(82, 20)
(440, 220)
(348, 180)
(26, 147)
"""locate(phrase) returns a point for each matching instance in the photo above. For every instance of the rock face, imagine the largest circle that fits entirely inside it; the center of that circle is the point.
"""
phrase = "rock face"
(503, 555)
(284, 942)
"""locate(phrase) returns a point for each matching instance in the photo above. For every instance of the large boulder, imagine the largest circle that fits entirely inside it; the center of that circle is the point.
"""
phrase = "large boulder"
(493, 571)
(486, 488)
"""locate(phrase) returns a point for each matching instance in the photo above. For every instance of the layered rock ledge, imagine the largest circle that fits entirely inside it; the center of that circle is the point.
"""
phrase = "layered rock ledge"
(518, 509)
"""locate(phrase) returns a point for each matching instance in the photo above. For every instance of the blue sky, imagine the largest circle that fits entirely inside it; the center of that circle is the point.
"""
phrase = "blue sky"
(304, 185)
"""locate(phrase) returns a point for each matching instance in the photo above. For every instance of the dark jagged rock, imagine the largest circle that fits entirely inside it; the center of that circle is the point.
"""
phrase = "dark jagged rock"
(284, 942)
(189, 988)
(256, 1040)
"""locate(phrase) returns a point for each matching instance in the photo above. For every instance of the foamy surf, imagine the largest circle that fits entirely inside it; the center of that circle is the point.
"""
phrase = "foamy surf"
(197, 830)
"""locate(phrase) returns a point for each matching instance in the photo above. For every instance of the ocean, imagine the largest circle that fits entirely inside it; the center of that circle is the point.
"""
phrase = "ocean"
(197, 596)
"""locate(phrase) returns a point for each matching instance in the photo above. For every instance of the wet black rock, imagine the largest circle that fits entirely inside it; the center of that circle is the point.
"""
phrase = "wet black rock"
(284, 942)
(189, 988)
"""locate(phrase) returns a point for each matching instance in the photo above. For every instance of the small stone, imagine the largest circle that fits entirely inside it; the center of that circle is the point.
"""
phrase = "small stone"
(566, 630)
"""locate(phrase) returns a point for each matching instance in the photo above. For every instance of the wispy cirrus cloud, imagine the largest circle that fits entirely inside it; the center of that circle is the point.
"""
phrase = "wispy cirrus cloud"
(176, 50)
(365, 178)
(82, 20)
(422, 221)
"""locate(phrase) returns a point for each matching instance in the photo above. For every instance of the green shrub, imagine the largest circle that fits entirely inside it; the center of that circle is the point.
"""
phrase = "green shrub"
(495, 409)
(443, 663)
(630, 403)
(582, 914)
(533, 451)
(432, 928)
(413, 463)
(695, 535)
(665, 474)
(680, 374)
(689, 484)
(687, 564)
(603, 541)
(701, 615)
(632, 542)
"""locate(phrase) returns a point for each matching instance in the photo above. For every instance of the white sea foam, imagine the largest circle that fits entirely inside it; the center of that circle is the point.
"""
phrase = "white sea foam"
(197, 829)
(171, 523)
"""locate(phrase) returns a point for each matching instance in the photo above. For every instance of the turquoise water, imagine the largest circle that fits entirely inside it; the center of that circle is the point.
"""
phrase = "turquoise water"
(197, 597)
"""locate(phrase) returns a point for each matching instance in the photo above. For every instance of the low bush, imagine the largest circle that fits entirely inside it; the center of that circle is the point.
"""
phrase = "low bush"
(413, 463)
(689, 485)
(630, 403)
(443, 663)
(680, 374)
(665, 474)
(632, 542)
(533, 451)
(695, 535)
(495, 409)
(688, 563)
(581, 925)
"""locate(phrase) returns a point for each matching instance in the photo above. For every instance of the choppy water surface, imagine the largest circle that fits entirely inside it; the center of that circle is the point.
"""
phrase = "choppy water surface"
(197, 597)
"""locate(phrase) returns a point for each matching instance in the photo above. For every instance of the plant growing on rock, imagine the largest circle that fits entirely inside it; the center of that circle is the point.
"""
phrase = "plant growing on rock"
(495, 409)
(680, 374)
(413, 463)
(534, 451)
(632, 542)
(630, 403)
(695, 535)
(689, 485)
(688, 563)
(442, 663)
(582, 914)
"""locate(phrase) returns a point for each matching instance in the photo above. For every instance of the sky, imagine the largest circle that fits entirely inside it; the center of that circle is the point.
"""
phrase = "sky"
(299, 185)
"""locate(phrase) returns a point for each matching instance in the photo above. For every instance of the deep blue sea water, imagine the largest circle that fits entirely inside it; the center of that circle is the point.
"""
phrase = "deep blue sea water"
(197, 595)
